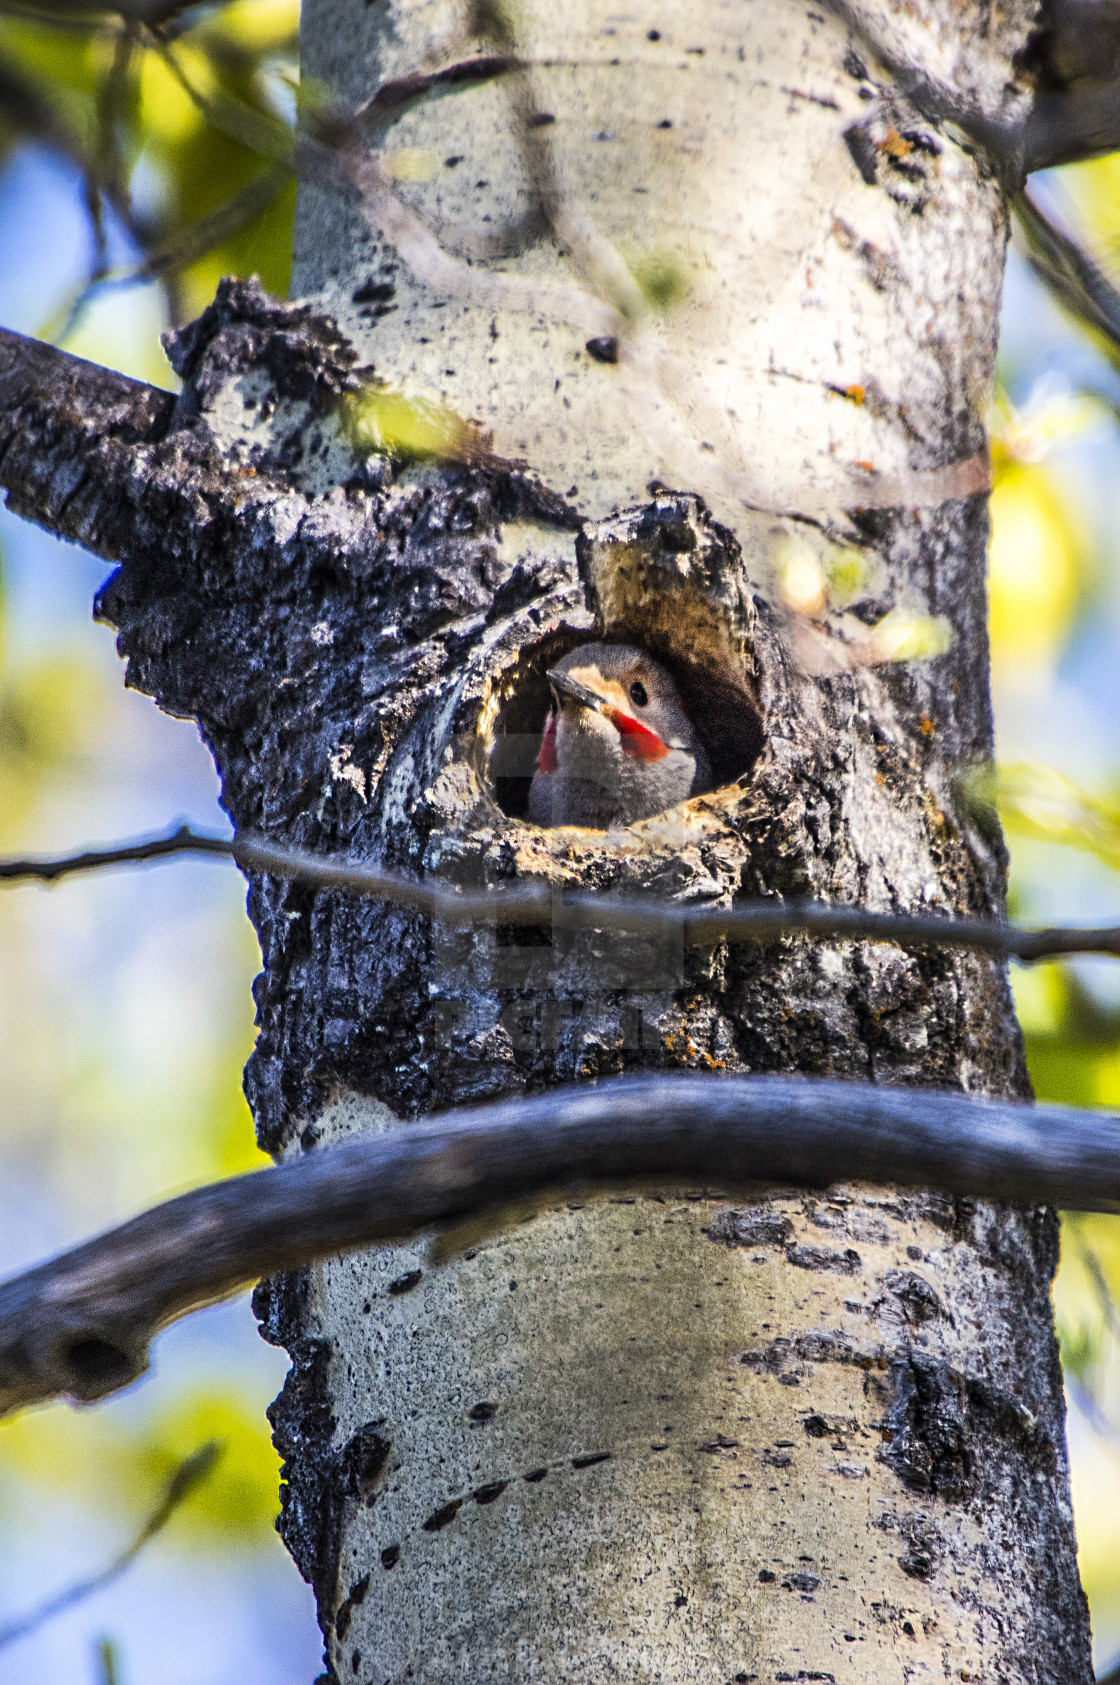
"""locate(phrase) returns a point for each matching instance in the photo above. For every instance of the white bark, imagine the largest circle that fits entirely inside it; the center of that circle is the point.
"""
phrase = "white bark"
(744, 1522)
(799, 280)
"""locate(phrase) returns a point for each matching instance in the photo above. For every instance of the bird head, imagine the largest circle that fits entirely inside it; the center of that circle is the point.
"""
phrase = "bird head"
(618, 744)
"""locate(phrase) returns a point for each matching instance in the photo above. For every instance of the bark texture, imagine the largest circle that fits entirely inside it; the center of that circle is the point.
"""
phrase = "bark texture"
(651, 1436)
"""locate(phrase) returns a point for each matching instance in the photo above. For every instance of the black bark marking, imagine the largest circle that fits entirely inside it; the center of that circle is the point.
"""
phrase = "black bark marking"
(755, 1226)
(405, 1283)
(443, 1517)
(824, 1258)
(361, 1461)
(800, 1582)
(317, 1481)
(604, 349)
(354, 1597)
(373, 292)
(782, 1356)
(303, 1425)
(923, 1542)
(920, 1302)
(926, 1429)
(947, 1434)
(857, 138)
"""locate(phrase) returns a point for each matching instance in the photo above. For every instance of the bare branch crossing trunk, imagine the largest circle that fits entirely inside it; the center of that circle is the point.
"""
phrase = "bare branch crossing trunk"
(651, 1436)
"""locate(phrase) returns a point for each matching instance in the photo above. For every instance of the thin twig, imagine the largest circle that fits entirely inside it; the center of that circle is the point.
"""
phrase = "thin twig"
(247, 124)
(182, 840)
(1004, 142)
(546, 904)
(81, 1324)
(107, 1671)
(1103, 1292)
(106, 172)
(189, 1475)
(1076, 281)
(165, 258)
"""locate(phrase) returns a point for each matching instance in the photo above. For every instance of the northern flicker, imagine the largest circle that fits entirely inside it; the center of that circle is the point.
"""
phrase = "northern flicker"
(617, 744)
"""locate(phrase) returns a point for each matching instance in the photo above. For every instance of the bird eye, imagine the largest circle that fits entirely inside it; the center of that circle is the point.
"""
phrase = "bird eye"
(638, 695)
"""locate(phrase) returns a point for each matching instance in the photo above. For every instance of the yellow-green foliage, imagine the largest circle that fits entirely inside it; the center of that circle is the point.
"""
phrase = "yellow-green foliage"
(662, 277)
(91, 1461)
(410, 429)
(1042, 581)
(197, 126)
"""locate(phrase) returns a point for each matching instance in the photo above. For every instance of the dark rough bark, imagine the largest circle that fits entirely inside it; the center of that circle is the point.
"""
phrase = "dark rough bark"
(216, 607)
(69, 434)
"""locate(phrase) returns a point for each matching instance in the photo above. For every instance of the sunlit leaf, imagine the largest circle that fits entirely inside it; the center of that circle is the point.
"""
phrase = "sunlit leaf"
(1040, 801)
(1034, 566)
(1053, 415)
(168, 116)
(410, 429)
(802, 581)
(662, 277)
(902, 635)
(237, 1504)
(257, 27)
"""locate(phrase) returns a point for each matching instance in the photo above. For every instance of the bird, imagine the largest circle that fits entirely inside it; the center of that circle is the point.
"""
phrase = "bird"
(617, 745)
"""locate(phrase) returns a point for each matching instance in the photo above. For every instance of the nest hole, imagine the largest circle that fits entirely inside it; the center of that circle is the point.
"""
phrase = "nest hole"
(725, 715)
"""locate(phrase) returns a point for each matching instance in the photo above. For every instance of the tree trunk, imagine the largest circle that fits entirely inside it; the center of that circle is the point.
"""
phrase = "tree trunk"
(653, 1436)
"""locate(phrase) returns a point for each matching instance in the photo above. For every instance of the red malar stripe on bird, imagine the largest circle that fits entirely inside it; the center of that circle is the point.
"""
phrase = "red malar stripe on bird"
(638, 740)
(546, 760)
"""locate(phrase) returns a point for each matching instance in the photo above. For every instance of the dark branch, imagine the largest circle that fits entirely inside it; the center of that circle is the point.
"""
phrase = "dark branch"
(1069, 272)
(80, 1325)
(1074, 59)
(164, 259)
(182, 840)
(1067, 128)
(546, 904)
(69, 437)
(394, 98)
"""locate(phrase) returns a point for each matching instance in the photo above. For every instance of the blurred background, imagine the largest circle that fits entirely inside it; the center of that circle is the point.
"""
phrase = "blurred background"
(140, 161)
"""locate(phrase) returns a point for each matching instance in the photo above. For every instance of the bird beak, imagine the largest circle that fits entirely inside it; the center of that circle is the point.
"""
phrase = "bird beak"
(564, 685)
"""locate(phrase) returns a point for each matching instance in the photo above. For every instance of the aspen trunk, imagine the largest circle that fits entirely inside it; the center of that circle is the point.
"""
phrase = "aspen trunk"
(656, 1436)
